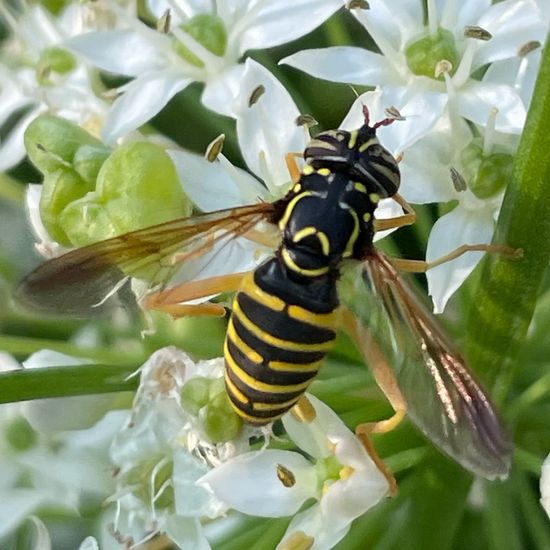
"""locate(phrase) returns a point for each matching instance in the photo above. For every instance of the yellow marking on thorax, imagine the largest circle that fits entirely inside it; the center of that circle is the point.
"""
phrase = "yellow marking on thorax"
(367, 144)
(291, 264)
(353, 237)
(358, 186)
(323, 172)
(290, 206)
(251, 382)
(251, 354)
(307, 170)
(310, 230)
(297, 188)
(273, 340)
(367, 217)
(324, 320)
(374, 198)
(250, 287)
(352, 139)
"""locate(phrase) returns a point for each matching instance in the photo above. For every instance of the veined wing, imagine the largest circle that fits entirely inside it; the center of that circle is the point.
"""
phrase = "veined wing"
(77, 282)
(443, 398)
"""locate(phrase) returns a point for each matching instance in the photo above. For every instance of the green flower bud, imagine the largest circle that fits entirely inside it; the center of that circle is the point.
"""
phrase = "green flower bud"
(221, 423)
(88, 159)
(195, 394)
(139, 187)
(86, 221)
(424, 54)
(60, 188)
(20, 434)
(470, 159)
(54, 60)
(209, 31)
(494, 172)
(51, 142)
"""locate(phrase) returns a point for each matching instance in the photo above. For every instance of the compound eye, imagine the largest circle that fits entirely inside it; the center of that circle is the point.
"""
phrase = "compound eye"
(382, 170)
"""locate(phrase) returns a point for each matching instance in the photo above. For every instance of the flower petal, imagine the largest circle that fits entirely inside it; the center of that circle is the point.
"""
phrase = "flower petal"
(142, 99)
(396, 26)
(313, 523)
(221, 92)
(345, 64)
(89, 543)
(347, 499)
(16, 505)
(215, 185)
(249, 483)
(267, 129)
(457, 15)
(422, 109)
(12, 149)
(458, 227)
(512, 23)
(186, 533)
(269, 24)
(191, 499)
(478, 99)
(125, 52)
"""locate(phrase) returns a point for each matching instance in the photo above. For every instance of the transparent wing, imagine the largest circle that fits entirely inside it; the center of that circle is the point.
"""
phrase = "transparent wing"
(443, 398)
(77, 282)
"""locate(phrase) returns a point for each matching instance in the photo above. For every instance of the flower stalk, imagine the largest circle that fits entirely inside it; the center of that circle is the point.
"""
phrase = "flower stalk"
(505, 298)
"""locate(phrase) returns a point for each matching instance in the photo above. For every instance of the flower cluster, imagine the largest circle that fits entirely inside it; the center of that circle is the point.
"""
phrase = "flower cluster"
(79, 87)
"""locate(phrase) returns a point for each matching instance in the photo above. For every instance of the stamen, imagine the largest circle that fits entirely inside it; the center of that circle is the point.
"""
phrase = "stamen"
(529, 47)
(479, 33)
(214, 148)
(297, 541)
(459, 183)
(433, 22)
(164, 21)
(489, 137)
(465, 67)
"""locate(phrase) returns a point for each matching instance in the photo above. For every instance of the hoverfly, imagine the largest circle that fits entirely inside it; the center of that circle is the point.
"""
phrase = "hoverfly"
(286, 312)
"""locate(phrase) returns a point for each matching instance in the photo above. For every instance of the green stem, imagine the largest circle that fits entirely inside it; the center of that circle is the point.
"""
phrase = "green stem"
(23, 385)
(504, 301)
(21, 346)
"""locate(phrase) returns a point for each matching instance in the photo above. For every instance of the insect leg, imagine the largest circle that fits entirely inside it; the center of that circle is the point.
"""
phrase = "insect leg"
(381, 371)
(293, 168)
(399, 221)
(379, 463)
(170, 300)
(421, 266)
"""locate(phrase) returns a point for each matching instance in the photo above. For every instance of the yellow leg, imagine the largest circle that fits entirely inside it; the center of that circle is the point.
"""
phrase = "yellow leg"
(399, 221)
(421, 266)
(381, 371)
(170, 301)
(292, 165)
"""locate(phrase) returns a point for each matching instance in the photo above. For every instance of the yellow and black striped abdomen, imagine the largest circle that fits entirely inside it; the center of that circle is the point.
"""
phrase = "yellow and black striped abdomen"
(276, 339)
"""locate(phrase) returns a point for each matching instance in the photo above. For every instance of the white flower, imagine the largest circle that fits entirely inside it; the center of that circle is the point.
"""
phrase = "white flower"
(339, 474)
(71, 463)
(202, 44)
(398, 30)
(37, 74)
(164, 449)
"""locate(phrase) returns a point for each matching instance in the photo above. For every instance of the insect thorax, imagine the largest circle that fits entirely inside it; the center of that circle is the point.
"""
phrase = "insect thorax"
(328, 219)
